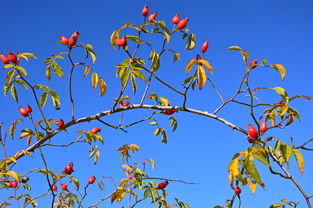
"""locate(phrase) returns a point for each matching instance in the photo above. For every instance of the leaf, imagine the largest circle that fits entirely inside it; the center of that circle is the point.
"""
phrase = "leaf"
(164, 138)
(237, 48)
(260, 154)
(133, 38)
(116, 33)
(103, 86)
(94, 80)
(7, 66)
(22, 83)
(281, 69)
(14, 93)
(21, 69)
(13, 175)
(233, 168)
(92, 53)
(157, 131)
(276, 205)
(190, 65)
(282, 92)
(299, 159)
(252, 170)
(252, 186)
(9, 77)
(286, 151)
(48, 72)
(133, 82)
(201, 77)
(206, 64)
(191, 41)
(124, 78)
(139, 74)
(87, 69)
(43, 98)
(55, 98)
(57, 69)
(164, 101)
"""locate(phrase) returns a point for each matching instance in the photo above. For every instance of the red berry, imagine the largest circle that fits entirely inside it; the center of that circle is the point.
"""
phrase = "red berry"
(64, 39)
(263, 127)
(12, 57)
(152, 16)
(4, 59)
(170, 111)
(8, 184)
(54, 187)
(95, 130)
(162, 185)
(71, 165)
(130, 176)
(253, 64)
(73, 39)
(182, 23)
(175, 19)
(252, 132)
(14, 184)
(91, 179)
(145, 11)
(68, 169)
(237, 190)
(120, 41)
(23, 111)
(64, 186)
(205, 46)
(29, 109)
(61, 123)
(126, 103)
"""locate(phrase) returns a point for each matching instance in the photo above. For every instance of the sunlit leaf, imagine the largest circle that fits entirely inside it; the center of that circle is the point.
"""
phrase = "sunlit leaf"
(206, 64)
(237, 48)
(87, 69)
(252, 186)
(201, 76)
(281, 69)
(300, 159)
(103, 86)
(190, 65)
(94, 80)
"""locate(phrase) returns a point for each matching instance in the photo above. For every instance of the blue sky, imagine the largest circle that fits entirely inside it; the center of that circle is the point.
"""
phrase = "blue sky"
(201, 148)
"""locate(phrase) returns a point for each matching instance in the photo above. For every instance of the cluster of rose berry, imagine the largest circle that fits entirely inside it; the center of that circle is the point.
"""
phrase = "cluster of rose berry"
(11, 58)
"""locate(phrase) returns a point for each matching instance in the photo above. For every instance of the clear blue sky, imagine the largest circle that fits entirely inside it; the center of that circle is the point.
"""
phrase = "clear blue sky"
(201, 149)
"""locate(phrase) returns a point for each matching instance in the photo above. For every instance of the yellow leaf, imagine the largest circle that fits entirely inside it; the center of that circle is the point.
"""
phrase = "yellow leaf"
(233, 169)
(87, 69)
(127, 167)
(206, 64)
(94, 80)
(253, 186)
(24, 134)
(300, 159)
(164, 101)
(190, 65)
(201, 77)
(103, 86)
(13, 174)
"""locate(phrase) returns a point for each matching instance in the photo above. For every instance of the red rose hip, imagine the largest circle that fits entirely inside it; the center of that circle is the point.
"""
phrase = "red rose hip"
(54, 187)
(91, 179)
(253, 64)
(12, 57)
(204, 46)
(95, 130)
(4, 59)
(237, 190)
(182, 23)
(152, 17)
(263, 127)
(64, 186)
(145, 11)
(60, 123)
(175, 19)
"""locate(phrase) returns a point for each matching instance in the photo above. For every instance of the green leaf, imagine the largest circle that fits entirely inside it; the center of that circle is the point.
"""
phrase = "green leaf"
(43, 98)
(21, 69)
(57, 69)
(55, 98)
(133, 81)
(9, 77)
(276, 205)
(190, 65)
(237, 48)
(281, 69)
(157, 131)
(164, 138)
(14, 93)
(299, 159)
(133, 38)
(173, 123)
(124, 78)
(282, 92)
(116, 33)
(286, 151)
(8, 66)
(48, 72)
(92, 53)
(164, 101)
(191, 41)
(139, 74)
(252, 170)
(22, 83)
(260, 154)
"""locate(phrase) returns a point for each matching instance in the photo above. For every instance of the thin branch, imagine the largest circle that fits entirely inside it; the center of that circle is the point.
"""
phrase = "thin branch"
(166, 179)
(302, 145)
